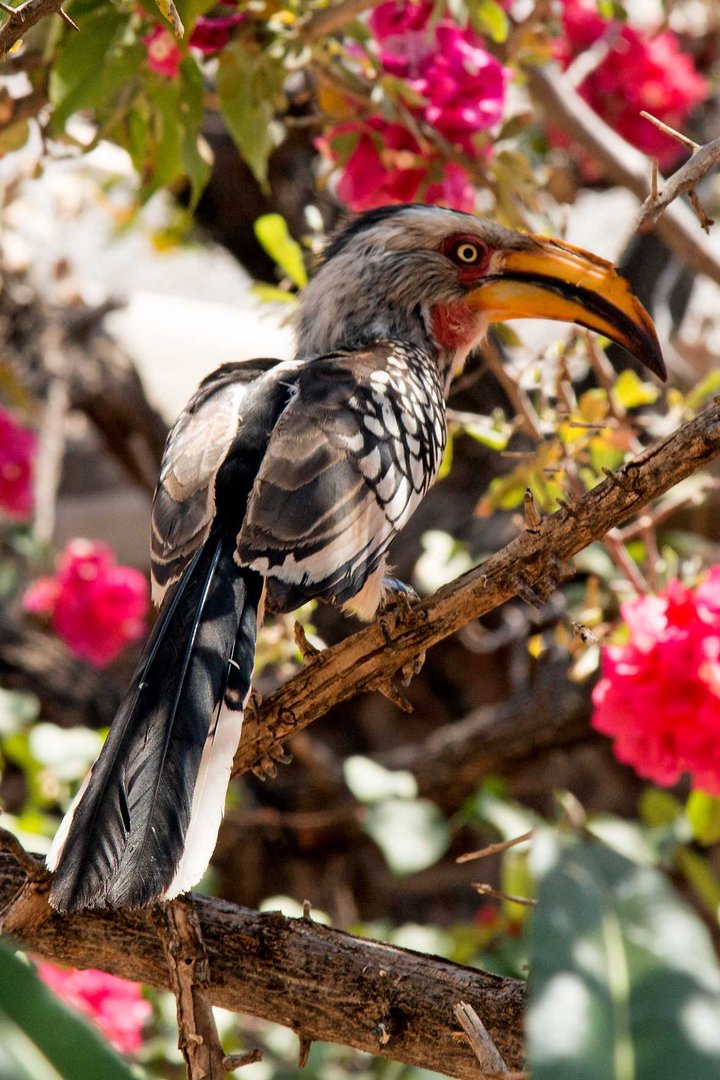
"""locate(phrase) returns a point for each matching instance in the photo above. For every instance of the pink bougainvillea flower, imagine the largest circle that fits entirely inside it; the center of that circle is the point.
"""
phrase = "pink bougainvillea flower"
(462, 84)
(458, 90)
(114, 1005)
(640, 71)
(18, 446)
(659, 695)
(95, 606)
(387, 165)
(163, 52)
(211, 33)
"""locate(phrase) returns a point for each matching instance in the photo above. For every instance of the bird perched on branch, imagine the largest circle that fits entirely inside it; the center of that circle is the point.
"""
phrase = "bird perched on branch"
(286, 481)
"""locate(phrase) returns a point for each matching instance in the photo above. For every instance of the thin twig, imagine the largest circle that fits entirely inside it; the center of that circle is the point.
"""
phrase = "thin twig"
(327, 20)
(495, 849)
(488, 890)
(623, 164)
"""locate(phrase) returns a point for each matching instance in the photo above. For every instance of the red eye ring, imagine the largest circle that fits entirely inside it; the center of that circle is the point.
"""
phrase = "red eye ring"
(465, 251)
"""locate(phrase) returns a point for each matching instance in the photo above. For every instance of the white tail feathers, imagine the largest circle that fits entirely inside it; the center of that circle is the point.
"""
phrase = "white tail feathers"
(208, 801)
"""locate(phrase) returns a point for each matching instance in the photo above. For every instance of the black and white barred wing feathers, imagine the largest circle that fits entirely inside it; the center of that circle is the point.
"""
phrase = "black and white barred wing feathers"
(184, 503)
(354, 451)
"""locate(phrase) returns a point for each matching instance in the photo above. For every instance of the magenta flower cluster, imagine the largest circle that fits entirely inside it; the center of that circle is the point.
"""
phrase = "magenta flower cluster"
(115, 1006)
(461, 90)
(640, 70)
(18, 446)
(94, 605)
(659, 695)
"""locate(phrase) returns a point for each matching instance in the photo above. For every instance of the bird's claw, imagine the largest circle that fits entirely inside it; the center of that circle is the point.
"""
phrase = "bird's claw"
(308, 651)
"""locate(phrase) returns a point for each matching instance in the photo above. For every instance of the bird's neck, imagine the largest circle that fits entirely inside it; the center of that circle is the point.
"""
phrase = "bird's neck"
(318, 336)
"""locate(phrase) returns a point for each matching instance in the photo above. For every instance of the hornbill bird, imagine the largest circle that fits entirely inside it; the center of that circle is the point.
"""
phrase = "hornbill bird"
(286, 481)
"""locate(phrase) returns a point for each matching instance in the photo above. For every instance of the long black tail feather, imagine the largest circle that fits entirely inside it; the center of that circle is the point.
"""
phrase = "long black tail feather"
(123, 841)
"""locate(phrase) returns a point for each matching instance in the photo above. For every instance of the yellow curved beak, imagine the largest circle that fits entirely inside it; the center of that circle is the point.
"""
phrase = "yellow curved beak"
(553, 280)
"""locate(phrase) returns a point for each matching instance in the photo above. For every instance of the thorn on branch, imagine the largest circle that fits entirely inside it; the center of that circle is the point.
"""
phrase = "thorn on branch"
(231, 1062)
(304, 1051)
(478, 1036)
(533, 520)
(66, 18)
(307, 908)
(307, 650)
(569, 510)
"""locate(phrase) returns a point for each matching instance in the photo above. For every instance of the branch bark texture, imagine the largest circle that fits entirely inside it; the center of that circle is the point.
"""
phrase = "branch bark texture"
(530, 567)
(324, 984)
(20, 19)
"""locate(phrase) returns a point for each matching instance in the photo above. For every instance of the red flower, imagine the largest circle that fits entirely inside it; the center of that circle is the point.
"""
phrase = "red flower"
(387, 165)
(212, 33)
(18, 445)
(659, 695)
(461, 88)
(163, 52)
(463, 84)
(640, 71)
(115, 1006)
(96, 606)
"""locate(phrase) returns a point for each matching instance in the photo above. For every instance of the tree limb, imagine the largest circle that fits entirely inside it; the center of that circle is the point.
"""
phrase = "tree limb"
(21, 18)
(324, 984)
(529, 567)
(625, 165)
(684, 181)
(327, 20)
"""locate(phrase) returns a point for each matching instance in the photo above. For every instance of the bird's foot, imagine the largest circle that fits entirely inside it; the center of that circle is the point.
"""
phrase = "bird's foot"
(397, 596)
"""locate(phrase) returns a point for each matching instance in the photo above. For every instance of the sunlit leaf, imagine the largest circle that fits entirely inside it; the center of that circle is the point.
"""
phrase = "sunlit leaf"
(631, 392)
(624, 983)
(168, 9)
(490, 18)
(272, 232)
(703, 813)
(707, 386)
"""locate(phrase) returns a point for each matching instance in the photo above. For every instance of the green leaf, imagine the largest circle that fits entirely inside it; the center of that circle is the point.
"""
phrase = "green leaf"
(624, 982)
(705, 388)
(631, 392)
(68, 1045)
(703, 813)
(412, 834)
(490, 18)
(14, 136)
(175, 111)
(249, 87)
(94, 65)
(658, 808)
(272, 232)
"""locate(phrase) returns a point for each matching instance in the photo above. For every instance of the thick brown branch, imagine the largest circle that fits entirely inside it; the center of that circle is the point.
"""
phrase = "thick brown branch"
(533, 561)
(324, 984)
(21, 18)
(625, 165)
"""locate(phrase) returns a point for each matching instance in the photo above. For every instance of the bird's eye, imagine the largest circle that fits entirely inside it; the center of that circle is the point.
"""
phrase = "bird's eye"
(465, 251)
